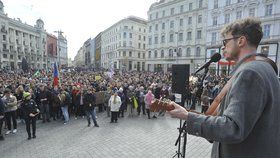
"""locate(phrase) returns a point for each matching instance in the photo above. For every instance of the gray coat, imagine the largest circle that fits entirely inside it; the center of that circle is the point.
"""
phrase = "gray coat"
(248, 122)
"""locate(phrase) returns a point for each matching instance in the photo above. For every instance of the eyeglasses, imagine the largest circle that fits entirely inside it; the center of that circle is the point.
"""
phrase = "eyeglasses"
(225, 41)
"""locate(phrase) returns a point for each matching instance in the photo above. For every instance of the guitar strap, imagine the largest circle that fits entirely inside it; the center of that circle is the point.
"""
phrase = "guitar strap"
(214, 107)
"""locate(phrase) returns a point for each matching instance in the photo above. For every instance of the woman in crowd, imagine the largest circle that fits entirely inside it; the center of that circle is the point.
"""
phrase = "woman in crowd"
(115, 104)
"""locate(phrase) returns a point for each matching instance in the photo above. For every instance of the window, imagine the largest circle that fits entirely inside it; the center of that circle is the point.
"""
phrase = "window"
(266, 32)
(215, 21)
(265, 50)
(189, 36)
(156, 54)
(11, 57)
(200, 3)
(5, 56)
(151, 16)
(214, 37)
(163, 26)
(139, 37)
(124, 35)
(190, 20)
(181, 8)
(171, 38)
(139, 55)
(268, 10)
(216, 4)
(139, 45)
(197, 53)
(125, 27)
(188, 54)
(130, 35)
(150, 41)
(228, 2)
(144, 46)
(239, 1)
(252, 12)
(4, 47)
(150, 28)
(172, 11)
(190, 6)
(163, 13)
(199, 19)
(150, 54)
(170, 53)
(144, 38)
(179, 53)
(156, 15)
(156, 28)
(156, 40)
(162, 54)
(198, 36)
(143, 55)
(163, 39)
(180, 37)
(227, 18)
(238, 14)
(181, 22)
(130, 43)
(124, 43)
(4, 37)
(171, 24)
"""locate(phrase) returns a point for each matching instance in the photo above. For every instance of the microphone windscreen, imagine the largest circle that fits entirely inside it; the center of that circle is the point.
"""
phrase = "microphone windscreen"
(216, 57)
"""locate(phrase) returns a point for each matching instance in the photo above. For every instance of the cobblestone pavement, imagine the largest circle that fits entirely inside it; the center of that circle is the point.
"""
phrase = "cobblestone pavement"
(136, 137)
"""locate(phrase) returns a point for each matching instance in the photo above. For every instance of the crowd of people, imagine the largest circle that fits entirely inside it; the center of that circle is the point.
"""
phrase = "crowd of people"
(31, 96)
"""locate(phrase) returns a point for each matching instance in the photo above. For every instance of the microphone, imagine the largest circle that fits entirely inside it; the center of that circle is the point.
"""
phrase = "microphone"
(214, 58)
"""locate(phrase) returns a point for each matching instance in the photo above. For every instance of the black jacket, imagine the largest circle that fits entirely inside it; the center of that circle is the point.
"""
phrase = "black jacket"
(89, 101)
(29, 106)
(2, 107)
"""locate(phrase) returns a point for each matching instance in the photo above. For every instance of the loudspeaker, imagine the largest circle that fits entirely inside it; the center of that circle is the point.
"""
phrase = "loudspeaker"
(180, 78)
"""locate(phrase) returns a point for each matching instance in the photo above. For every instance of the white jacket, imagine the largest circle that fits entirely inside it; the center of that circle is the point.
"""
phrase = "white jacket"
(115, 106)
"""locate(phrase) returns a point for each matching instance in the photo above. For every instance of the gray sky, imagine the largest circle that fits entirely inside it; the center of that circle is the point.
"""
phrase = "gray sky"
(79, 20)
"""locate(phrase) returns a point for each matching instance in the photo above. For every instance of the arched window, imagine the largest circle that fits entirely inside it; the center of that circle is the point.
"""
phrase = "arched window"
(188, 54)
(156, 54)
(179, 53)
(170, 53)
(197, 53)
(162, 54)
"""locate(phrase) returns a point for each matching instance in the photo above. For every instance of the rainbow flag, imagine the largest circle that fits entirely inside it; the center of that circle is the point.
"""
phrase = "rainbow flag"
(55, 75)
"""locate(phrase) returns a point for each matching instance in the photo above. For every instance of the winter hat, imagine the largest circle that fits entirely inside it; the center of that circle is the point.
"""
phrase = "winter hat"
(26, 95)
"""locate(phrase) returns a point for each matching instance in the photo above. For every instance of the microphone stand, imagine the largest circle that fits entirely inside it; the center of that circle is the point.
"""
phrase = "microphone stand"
(182, 128)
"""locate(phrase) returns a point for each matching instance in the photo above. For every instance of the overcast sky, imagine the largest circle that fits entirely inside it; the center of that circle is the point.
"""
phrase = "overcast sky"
(79, 20)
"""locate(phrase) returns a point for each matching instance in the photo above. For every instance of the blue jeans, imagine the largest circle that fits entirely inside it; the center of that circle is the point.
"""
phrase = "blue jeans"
(64, 110)
(91, 113)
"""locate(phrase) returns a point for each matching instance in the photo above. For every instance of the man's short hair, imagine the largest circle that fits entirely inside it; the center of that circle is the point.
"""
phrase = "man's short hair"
(248, 27)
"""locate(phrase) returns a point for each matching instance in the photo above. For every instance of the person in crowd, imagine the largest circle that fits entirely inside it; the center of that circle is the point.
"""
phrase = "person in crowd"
(43, 99)
(243, 120)
(10, 102)
(89, 103)
(115, 104)
(64, 98)
(149, 97)
(2, 116)
(30, 110)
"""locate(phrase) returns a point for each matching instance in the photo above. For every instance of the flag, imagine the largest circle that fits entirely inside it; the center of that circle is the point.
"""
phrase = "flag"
(55, 75)
(37, 73)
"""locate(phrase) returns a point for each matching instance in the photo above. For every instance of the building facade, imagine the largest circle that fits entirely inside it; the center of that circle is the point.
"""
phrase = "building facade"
(79, 59)
(19, 40)
(222, 12)
(62, 50)
(51, 49)
(176, 34)
(123, 45)
(97, 47)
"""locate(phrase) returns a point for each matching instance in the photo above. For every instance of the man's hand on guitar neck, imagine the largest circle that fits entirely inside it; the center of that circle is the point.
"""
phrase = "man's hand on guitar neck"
(178, 112)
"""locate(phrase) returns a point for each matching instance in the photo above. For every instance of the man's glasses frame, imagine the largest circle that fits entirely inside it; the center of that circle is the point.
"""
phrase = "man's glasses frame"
(225, 41)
